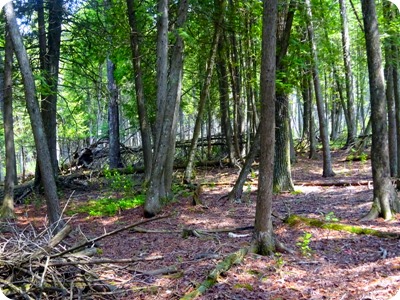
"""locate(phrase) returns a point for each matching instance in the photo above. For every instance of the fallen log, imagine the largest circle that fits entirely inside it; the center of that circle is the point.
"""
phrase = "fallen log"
(232, 259)
(294, 220)
(333, 183)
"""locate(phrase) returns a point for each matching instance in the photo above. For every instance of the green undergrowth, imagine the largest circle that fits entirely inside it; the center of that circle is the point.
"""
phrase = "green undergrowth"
(108, 206)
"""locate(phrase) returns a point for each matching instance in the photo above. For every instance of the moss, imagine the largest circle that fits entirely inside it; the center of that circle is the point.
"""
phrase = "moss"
(295, 220)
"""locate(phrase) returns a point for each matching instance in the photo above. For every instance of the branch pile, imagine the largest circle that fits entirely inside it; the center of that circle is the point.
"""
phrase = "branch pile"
(28, 271)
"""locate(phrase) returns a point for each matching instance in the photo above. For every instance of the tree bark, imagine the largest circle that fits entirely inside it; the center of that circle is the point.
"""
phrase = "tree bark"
(7, 208)
(145, 128)
(263, 238)
(385, 200)
(113, 118)
(323, 129)
(50, 188)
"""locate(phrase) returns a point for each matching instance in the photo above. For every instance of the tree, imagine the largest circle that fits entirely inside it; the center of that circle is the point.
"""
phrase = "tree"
(385, 200)
(205, 88)
(50, 188)
(144, 123)
(263, 238)
(323, 128)
(168, 98)
(113, 118)
(282, 163)
(349, 108)
(7, 208)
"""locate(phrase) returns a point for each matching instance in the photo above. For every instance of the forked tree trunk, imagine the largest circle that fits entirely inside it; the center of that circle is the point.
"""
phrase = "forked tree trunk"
(385, 200)
(50, 188)
(263, 237)
(167, 114)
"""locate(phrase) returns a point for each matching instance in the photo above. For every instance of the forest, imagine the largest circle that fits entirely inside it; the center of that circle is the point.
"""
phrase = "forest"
(213, 149)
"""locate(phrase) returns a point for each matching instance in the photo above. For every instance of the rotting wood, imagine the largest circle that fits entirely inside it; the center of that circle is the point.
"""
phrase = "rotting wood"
(232, 259)
(294, 220)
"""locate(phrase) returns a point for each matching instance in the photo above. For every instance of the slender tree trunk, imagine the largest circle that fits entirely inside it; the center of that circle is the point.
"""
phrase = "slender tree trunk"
(49, 105)
(224, 103)
(175, 90)
(7, 208)
(390, 97)
(205, 90)
(263, 237)
(385, 200)
(113, 119)
(349, 109)
(145, 128)
(327, 161)
(50, 188)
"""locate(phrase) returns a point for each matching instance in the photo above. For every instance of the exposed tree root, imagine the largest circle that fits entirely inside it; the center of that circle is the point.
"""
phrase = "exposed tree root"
(294, 220)
(232, 259)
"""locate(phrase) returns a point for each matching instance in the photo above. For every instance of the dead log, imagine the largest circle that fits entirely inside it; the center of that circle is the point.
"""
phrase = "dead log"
(232, 259)
(333, 183)
(295, 220)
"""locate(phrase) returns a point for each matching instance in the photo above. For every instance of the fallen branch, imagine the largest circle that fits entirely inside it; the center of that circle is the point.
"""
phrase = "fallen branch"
(92, 241)
(102, 261)
(232, 259)
(162, 271)
(294, 220)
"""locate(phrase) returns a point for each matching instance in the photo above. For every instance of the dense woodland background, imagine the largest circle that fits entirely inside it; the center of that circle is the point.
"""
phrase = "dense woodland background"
(109, 88)
(148, 84)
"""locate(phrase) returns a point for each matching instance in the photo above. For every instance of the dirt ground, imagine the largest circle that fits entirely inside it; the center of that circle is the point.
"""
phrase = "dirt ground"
(333, 265)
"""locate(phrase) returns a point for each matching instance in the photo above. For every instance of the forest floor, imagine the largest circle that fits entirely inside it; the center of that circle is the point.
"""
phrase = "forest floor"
(332, 265)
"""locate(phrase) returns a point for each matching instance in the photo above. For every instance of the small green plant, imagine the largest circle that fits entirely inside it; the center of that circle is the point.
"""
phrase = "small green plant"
(296, 192)
(331, 217)
(279, 261)
(119, 182)
(304, 244)
(108, 206)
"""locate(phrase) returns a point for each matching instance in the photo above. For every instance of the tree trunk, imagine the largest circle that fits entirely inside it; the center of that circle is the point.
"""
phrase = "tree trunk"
(390, 98)
(349, 109)
(49, 105)
(175, 91)
(113, 119)
(282, 167)
(323, 129)
(226, 127)
(166, 119)
(205, 89)
(263, 238)
(145, 128)
(50, 188)
(282, 164)
(385, 200)
(7, 208)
